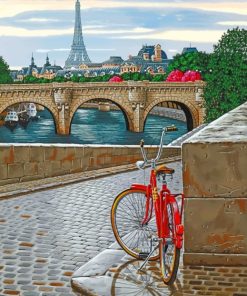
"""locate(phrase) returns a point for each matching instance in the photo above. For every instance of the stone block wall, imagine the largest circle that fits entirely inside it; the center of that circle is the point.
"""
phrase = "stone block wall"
(215, 187)
(20, 163)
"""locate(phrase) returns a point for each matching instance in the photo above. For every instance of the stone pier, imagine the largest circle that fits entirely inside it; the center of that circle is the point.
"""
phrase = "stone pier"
(215, 187)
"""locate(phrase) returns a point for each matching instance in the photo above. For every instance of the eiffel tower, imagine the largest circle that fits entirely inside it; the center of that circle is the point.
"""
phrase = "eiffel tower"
(78, 53)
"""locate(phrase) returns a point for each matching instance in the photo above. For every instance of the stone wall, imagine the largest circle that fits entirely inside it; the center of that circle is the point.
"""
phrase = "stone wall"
(215, 187)
(169, 112)
(20, 163)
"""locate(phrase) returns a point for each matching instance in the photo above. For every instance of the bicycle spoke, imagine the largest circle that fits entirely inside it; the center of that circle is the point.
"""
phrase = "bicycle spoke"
(129, 213)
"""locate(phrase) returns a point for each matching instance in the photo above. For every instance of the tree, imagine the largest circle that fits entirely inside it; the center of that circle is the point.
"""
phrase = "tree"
(158, 77)
(58, 79)
(106, 77)
(226, 82)
(126, 76)
(31, 79)
(4, 72)
(75, 78)
(197, 61)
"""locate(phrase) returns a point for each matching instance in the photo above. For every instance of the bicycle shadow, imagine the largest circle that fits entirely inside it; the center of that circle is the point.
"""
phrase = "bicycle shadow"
(128, 280)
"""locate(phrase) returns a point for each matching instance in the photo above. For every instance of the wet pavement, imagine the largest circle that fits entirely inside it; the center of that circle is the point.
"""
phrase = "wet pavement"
(47, 235)
(113, 273)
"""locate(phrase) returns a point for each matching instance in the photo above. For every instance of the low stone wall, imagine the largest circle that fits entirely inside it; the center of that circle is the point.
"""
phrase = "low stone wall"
(169, 112)
(20, 163)
(215, 187)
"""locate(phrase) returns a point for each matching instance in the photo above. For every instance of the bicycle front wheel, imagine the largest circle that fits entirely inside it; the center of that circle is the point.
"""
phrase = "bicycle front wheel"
(127, 214)
(169, 253)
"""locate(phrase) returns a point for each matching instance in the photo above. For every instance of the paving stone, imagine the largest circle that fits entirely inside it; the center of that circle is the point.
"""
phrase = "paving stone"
(9, 275)
(55, 231)
(28, 288)
(30, 293)
(10, 287)
(23, 282)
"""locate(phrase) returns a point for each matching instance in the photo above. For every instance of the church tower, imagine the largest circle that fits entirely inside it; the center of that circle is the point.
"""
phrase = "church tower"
(78, 53)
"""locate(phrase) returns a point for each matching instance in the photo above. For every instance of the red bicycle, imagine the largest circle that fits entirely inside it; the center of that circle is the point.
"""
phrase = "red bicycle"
(147, 223)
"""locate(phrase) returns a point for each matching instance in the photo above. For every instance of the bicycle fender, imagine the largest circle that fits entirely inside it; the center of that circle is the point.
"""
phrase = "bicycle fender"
(179, 228)
(139, 187)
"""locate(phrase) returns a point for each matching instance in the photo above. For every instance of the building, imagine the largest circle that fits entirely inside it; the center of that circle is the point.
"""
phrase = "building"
(47, 71)
(150, 59)
(189, 49)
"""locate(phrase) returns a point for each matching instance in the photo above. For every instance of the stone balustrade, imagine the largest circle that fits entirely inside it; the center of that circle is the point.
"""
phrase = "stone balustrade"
(215, 187)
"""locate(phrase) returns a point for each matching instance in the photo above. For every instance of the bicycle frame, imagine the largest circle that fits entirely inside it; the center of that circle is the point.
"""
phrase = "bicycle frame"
(160, 200)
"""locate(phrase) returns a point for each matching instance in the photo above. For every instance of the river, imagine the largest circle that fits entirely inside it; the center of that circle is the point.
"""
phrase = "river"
(91, 126)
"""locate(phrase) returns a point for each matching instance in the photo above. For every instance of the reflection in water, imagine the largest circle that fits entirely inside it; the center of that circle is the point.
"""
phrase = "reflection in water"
(128, 280)
(91, 126)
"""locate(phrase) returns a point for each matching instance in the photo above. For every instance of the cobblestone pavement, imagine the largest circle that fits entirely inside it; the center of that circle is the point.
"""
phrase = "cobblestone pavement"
(112, 273)
(46, 236)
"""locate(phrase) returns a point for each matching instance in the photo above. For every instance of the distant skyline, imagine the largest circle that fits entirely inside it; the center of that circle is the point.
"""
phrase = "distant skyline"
(112, 27)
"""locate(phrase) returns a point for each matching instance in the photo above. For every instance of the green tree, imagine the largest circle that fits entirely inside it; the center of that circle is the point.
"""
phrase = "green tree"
(75, 78)
(158, 77)
(31, 79)
(84, 79)
(190, 61)
(226, 86)
(59, 79)
(126, 76)
(4, 72)
(106, 77)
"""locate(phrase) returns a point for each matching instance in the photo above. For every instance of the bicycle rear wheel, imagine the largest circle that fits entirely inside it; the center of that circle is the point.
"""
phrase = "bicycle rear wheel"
(127, 214)
(169, 253)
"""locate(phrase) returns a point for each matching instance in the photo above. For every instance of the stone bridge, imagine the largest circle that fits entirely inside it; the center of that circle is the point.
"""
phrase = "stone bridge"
(135, 99)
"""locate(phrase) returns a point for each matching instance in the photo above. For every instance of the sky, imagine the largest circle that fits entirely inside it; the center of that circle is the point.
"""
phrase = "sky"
(112, 27)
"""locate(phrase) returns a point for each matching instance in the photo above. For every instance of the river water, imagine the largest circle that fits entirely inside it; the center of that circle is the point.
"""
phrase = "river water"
(91, 126)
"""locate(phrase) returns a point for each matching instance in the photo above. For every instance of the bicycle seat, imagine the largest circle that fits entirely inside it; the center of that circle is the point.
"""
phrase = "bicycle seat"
(162, 169)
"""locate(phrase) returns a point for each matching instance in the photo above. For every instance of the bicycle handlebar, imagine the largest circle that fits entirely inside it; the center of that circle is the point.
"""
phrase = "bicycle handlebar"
(165, 130)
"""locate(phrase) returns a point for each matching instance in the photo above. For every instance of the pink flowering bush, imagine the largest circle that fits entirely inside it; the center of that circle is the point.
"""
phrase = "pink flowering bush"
(175, 76)
(116, 79)
(191, 76)
(180, 76)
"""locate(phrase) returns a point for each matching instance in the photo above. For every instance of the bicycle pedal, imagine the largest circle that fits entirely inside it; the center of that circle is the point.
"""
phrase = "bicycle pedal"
(143, 255)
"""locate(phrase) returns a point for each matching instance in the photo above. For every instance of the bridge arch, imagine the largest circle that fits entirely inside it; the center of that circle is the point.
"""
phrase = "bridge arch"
(50, 108)
(126, 112)
(189, 109)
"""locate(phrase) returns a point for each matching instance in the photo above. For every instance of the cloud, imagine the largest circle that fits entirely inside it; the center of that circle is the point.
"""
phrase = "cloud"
(233, 23)
(21, 32)
(203, 36)
(101, 49)
(43, 50)
(37, 20)
(13, 7)
(172, 50)
(118, 31)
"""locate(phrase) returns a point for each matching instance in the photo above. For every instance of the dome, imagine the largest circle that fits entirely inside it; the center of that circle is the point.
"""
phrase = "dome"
(150, 49)
(114, 60)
